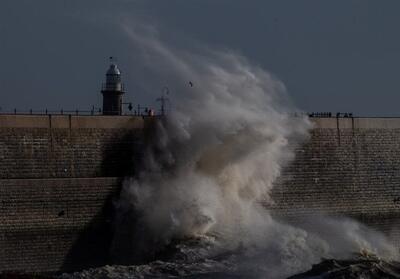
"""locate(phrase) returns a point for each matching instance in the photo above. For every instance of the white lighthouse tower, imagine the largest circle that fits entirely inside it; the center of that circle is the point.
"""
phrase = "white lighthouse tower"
(112, 90)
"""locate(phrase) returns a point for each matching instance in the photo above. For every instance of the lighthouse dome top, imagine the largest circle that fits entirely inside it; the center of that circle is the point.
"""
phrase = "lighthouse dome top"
(113, 70)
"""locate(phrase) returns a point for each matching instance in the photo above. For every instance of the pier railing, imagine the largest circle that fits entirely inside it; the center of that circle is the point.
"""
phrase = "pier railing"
(140, 111)
(147, 111)
(323, 114)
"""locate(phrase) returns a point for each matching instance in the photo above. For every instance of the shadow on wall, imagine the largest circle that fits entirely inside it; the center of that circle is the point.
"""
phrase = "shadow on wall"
(92, 244)
(131, 239)
(122, 155)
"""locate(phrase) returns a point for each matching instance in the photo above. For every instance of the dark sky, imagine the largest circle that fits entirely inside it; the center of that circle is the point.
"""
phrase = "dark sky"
(341, 55)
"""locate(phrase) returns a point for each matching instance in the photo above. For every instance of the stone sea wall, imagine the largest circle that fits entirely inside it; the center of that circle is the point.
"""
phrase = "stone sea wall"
(59, 176)
(348, 167)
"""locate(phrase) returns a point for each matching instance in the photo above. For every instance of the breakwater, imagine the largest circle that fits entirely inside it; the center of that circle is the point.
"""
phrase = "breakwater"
(348, 167)
(59, 174)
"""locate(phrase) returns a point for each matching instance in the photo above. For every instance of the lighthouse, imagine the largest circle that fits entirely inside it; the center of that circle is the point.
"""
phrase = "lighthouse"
(112, 91)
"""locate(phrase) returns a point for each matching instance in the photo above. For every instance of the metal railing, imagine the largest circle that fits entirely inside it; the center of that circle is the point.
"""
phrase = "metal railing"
(330, 114)
(139, 111)
(323, 114)
(52, 112)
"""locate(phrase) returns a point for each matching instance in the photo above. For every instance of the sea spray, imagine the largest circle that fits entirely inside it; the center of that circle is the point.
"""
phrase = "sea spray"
(213, 159)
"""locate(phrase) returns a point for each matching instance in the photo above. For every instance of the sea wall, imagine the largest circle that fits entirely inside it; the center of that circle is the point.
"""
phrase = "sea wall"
(55, 224)
(68, 146)
(348, 167)
(59, 176)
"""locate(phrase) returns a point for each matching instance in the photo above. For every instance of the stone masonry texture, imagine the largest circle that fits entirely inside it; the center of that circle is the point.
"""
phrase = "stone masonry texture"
(344, 172)
(62, 153)
(57, 187)
(60, 175)
(55, 224)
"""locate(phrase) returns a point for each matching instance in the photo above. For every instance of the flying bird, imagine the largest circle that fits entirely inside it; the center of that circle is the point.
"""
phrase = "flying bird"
(191, 84)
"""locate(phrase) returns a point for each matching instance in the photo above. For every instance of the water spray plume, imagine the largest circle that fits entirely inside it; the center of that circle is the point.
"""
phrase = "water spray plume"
(215, 159)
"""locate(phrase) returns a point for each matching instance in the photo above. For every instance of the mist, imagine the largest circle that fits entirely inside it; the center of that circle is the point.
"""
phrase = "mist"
(228, 133)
